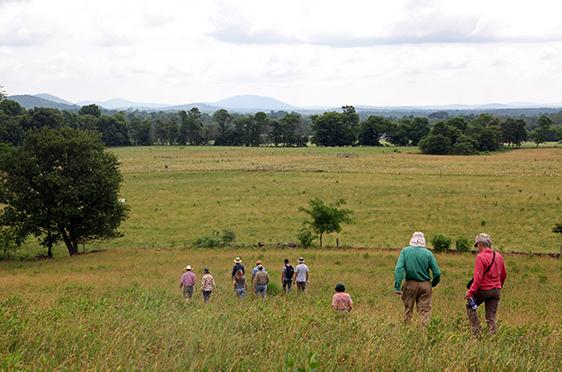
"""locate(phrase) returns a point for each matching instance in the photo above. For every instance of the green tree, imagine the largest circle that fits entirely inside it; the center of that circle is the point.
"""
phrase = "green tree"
(436, 144)
(327, 218)
(541, 133)
(331, 129)
(114, 131)
(513, 132)
(371, 130)
(61, 184)
(3, 94)
(92, 109)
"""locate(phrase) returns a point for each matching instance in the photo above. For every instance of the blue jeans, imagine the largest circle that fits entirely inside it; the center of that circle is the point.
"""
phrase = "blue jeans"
(206, 296)
(261, 289)
(240, 292)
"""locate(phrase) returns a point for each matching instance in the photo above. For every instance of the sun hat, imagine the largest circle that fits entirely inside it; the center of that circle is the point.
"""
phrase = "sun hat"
(258, 262)
(188, 267)
(237, 260)
(483, 238)
(301, 259)
(340, 287)
(418, 239)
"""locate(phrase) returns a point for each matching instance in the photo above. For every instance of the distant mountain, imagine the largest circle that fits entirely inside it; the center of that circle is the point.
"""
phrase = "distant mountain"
(253, 103)
(203, 107)
(29, 101)
(123, 104)
(50, 97)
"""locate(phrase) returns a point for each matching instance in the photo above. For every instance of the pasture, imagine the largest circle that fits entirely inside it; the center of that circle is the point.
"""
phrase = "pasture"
(120, 308)
(177, 194)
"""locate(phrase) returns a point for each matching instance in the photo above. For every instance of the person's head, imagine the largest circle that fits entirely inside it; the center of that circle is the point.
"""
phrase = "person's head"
(482, 241)
(418, 239)
(239, 275)
(258, 262)
(340, 287)
(260, 267)
(237, 260)
(301, 260)
(286, 261)
(206, 271)
(188, 268)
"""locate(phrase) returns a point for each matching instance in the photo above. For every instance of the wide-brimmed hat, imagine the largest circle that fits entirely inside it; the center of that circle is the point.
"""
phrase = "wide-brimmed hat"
(237, 260)
(188, 267)
(418, 239)
(483, 238)
(301, 259)
(258, 262)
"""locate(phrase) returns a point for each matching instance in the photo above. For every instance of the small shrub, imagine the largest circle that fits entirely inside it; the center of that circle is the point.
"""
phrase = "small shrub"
(207, 241)
(441, 243)
(228, 236)
(306, 238)
(9, 242)
(215, 239)
(462, 244)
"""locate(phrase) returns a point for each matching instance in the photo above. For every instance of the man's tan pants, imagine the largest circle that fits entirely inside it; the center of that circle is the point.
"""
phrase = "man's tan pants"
(420, 294)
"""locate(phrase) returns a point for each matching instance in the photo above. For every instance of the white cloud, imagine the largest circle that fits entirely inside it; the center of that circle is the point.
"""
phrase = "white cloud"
(306, 53)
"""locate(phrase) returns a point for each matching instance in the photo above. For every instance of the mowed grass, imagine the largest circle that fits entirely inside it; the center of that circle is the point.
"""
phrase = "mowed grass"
(177, 194)
(122, 309)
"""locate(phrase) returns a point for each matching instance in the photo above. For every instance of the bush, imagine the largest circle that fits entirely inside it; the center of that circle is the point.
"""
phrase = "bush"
(441, 243)
(462, 244)
(436, 144)
(215, 239)
(306, 238)
(9, 242)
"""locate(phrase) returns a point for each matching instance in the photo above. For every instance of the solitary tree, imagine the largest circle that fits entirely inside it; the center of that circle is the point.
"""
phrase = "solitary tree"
(541, 133)
(327, 218)
(60, 184)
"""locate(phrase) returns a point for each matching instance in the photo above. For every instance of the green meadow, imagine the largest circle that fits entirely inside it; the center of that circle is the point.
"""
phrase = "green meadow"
(177, 194)
(120, 307)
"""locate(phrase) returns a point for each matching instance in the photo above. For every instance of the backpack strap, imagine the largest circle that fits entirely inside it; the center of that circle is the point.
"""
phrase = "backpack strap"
(492, 264)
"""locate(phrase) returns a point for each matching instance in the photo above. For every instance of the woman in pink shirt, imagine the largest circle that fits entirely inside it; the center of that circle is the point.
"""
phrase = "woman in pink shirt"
(341, 301)
(487, 282)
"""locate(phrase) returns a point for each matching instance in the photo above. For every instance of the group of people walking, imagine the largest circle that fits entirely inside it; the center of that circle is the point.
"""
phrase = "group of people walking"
(415, 274)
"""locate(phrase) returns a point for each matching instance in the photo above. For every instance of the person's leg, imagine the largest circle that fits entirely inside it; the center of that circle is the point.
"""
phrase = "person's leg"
(206, 296)
(472, 314)
(289, 285)
(423, 302)
(189, 292)
(408, 298)
(491, 304)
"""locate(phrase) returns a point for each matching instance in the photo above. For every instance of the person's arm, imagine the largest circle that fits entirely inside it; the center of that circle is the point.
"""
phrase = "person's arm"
(267, 278)
(350, 304)
(213, 283)
(181, 282)
(308, 276)
(283, 274)
(399, 271)
(435, 270)
(334, 302)
(477, 277)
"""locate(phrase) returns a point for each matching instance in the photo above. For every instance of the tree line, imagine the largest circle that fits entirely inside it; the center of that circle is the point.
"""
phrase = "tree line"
(434, 134)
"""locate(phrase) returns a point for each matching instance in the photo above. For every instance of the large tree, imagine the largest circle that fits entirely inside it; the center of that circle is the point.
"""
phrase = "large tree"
(61, 184)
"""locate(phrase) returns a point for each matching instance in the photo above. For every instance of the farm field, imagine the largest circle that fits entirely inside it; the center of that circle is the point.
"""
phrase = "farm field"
(177, 194)
(122, 309)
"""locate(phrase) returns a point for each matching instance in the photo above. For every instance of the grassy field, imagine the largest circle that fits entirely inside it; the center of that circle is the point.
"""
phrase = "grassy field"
(177, 194)
(121, 309)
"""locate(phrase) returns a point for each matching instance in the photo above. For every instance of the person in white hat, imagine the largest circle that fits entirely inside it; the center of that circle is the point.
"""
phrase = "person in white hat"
(414, 263)
(237, 266)
(187, 282)
(302, 276)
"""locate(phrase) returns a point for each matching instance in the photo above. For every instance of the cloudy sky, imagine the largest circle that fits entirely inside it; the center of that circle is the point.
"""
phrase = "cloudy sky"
(313, 52)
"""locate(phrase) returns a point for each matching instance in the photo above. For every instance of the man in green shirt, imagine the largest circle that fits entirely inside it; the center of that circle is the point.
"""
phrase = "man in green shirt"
(414, 263)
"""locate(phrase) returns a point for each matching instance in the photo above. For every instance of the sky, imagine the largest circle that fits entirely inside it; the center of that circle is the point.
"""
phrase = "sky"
(313, 52)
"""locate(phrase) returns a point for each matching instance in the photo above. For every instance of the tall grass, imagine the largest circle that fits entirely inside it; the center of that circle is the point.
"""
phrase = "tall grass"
(122, 309)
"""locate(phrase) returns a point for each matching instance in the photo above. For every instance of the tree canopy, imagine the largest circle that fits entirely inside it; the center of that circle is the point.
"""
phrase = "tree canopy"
(327, 218)
(60, 184)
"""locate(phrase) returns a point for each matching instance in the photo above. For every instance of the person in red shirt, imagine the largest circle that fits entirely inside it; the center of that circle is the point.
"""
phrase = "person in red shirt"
(488, 280)
(341, 301)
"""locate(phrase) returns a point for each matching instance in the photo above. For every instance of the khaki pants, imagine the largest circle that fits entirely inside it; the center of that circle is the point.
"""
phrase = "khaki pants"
(420, 294)
(491, 300)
